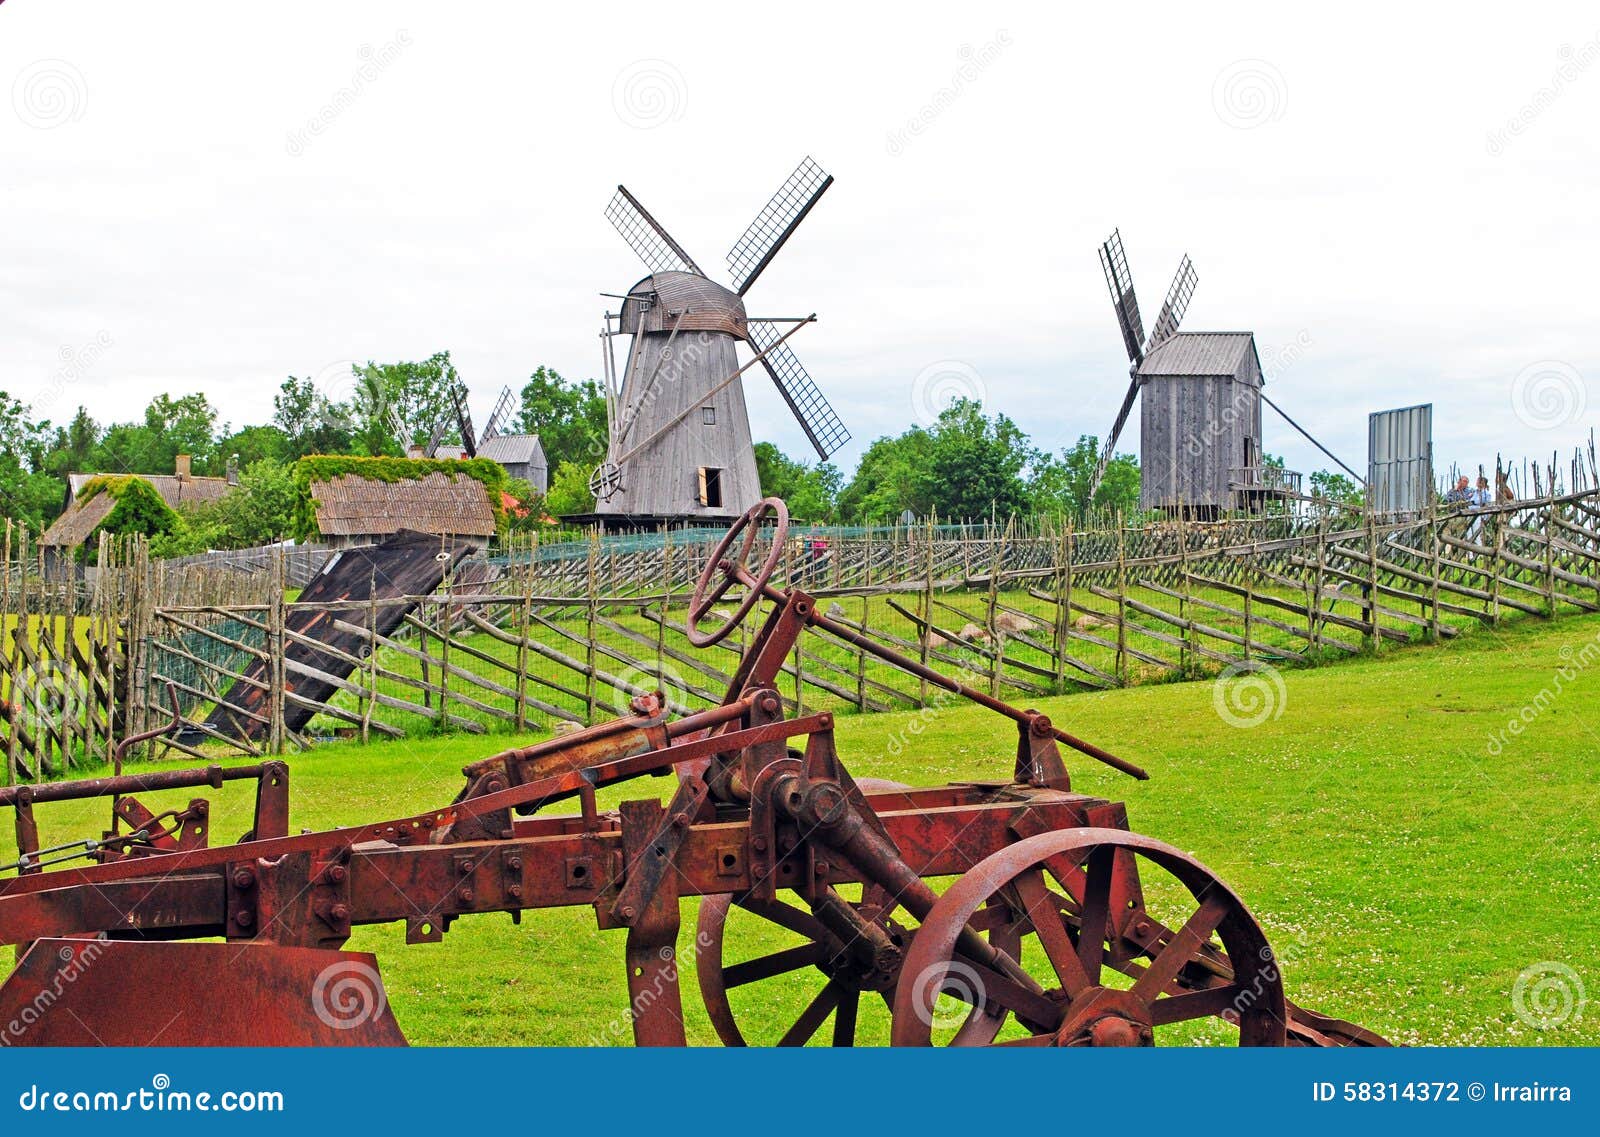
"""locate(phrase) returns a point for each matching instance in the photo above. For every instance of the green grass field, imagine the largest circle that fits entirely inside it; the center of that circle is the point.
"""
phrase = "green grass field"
(1408, 854)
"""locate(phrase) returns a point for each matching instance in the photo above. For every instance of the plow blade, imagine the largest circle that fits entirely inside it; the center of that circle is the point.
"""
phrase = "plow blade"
(76, 992)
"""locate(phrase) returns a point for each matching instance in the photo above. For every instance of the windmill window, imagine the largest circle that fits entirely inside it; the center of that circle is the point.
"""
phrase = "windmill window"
(711, 486)
(708, 416)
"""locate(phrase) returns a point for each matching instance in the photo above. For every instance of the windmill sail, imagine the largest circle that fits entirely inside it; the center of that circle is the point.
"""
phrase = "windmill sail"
(776, 222)
(1174, 306)
(1114, 263)
(501, 415)
(811, 408)
(645, 236)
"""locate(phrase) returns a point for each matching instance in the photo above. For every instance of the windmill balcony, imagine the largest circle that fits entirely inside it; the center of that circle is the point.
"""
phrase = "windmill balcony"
(1265, 481)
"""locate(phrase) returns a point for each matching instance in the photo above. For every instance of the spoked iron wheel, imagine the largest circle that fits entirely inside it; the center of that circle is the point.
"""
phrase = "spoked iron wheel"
(1047, 904)
(815, 977)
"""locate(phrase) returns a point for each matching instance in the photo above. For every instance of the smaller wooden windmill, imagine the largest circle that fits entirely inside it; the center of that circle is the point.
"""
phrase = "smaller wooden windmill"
(679, 442)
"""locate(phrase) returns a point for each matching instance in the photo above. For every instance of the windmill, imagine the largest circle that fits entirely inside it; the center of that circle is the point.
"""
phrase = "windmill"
(1114, 263)
(679, 442)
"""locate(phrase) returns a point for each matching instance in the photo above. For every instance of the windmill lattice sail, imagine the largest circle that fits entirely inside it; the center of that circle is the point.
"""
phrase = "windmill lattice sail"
(646, 237)
(815, 414)
(1174, 306)
(1114, 263)
(779, 218)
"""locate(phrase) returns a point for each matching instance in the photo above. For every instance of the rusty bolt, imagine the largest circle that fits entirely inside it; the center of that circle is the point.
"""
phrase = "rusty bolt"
(244, 917)
(628, 913)
(243, 877)
(335, 874)
(822, 868)
(680, 821)
(465, 894)
(515, 892)
(514, 864)
(759, 844)
(340, 913)
(464, 868)
(769, 703)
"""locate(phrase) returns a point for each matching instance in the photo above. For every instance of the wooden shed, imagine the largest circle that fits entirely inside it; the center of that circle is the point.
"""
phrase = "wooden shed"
(1200, 424)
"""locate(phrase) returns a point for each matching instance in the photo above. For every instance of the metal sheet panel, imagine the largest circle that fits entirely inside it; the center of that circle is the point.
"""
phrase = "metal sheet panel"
(1400, 459)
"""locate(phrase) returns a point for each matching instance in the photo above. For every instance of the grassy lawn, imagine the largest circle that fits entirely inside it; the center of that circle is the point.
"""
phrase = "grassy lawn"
(1407, 854)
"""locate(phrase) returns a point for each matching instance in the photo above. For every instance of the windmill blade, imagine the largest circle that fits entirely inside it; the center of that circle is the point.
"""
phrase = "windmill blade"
(1111, 439)
(500, 414)
(433, 441)
(776, 222)
(469, 444)
(1114, 263)
(645, 236)
(1175, 305)
(811, 409)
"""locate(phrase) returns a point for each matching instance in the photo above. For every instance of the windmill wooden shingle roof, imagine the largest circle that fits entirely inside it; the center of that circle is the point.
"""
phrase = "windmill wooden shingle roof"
(352, 506)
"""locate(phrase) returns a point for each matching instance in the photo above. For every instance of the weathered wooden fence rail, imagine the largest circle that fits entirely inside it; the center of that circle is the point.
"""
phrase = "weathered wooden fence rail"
(539, 637)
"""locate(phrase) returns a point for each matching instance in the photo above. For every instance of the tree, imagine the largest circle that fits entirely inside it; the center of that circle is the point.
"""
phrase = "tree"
(975, 464)
(27, 492)
(1061, 485)
(569, 491)
(184, 425)
(888, 480)
(260, 509)
(1337, 487)
(569, 418)
(309, 422)
(810, 491)
(252, 444)
(410, 400)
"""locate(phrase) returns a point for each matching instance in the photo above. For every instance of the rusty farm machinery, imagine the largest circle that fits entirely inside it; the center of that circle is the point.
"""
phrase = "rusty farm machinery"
(1048, 932)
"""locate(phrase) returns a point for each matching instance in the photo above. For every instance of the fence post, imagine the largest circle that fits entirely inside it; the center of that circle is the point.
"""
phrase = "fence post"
(927, 614)
(522, 641)
(1063, 576)
(275, 616)
(1434, 524)
(591, 610)
(1122, 604)
(1494, 576)
(861, 663)
(1550, 553)
(1372, 582)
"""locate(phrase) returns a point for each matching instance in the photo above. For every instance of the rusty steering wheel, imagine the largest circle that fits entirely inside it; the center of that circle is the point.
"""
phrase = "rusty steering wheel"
(737, 569)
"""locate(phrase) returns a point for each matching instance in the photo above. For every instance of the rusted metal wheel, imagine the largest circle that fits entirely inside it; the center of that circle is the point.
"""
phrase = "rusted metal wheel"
(733, 570)
(838, 972)
(1049, 903)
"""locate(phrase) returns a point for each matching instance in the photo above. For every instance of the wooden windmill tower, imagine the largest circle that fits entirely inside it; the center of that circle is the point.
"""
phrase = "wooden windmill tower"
(679, 433)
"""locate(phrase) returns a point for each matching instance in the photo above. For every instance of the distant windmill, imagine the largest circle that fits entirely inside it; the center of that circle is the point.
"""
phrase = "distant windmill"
(500, 416)
(679, 440)
(1114, 263)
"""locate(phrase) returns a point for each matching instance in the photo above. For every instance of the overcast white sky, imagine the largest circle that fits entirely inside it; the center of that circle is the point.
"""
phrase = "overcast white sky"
(1346, 181)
